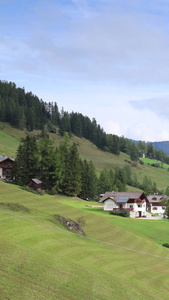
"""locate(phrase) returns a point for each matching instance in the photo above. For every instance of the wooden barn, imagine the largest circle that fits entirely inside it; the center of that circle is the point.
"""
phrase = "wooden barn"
(35, 184)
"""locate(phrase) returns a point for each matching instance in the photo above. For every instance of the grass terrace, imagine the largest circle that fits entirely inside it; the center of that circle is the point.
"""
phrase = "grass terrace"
(39, 261)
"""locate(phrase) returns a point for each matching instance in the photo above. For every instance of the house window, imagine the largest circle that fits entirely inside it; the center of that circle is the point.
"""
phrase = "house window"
(154, 208)
(131, 206)
(139, 205)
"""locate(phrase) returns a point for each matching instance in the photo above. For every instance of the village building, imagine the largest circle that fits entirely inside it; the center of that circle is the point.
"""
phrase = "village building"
(156, 205)
(136, 202)
(35, 184)
(6, 167)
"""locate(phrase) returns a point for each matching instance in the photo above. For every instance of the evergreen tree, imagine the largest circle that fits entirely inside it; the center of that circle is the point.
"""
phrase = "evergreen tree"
(150, 151)
(147, 185)
(88, 180)
(47, 162)
(27, 161)
(72, 174)
(104, 182)
(167, 191)
(134, 155)
(128, 175)
(62, 163)
(120, 179)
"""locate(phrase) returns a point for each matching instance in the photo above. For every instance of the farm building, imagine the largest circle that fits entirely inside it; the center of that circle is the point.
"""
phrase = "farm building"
(35, 184)
(6, 167)
(156, 205)
(136, 202)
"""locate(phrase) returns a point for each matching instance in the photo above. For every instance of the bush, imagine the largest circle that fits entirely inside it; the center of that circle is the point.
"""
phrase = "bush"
(123, 213)
(166, 245)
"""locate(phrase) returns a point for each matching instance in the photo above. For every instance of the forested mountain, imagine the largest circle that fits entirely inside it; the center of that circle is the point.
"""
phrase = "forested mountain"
(25, 110)
(163, 146)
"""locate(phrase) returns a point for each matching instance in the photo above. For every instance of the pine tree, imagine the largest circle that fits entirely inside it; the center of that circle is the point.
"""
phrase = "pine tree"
(27, 161)
(89, 180)
(72, 174)
(47, 162)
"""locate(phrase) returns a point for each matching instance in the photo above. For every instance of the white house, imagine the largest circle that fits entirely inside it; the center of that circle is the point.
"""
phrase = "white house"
(155, 204)
(136, 202)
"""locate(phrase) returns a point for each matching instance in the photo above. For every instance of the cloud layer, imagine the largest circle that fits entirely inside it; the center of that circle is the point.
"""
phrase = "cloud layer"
(101, 53)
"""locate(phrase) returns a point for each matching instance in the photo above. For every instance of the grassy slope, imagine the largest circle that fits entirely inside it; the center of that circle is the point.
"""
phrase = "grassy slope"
(9, 138)
(39, 262)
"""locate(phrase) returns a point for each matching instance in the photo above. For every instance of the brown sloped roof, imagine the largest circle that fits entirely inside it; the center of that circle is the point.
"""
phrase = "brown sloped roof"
(155, 198)
(117, 195)
(37, 181)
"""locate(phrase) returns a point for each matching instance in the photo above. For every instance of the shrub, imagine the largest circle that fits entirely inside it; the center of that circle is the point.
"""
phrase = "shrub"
(166, 245)
(123, 213)
(28, 189)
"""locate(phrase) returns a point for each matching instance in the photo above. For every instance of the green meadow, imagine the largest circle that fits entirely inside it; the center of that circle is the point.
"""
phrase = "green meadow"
(40, 259)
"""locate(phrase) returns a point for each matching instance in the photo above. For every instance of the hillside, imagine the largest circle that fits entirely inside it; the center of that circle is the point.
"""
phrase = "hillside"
(10, 137)
(164, 146)
(41, 260)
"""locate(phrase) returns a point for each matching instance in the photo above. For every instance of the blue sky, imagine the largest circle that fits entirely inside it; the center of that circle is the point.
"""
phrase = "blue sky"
(107, 59)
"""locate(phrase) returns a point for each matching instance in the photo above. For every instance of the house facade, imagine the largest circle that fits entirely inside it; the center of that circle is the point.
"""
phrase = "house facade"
(156, 205)
(136, 202)
(6, 167)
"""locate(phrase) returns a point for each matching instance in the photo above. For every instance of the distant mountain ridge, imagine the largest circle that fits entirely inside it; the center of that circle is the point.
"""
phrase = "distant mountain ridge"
(163, 146)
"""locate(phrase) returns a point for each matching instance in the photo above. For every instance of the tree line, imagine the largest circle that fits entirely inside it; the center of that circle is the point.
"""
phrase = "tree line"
(26, 110)
(61, 170)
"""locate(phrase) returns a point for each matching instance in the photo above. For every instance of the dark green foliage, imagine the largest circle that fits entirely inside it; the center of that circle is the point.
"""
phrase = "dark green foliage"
(113, 143)
(134, 153)
(151, 151)
(88, 180)
(120, 179)
(167, 191)
(27, 161)
(167, 211)
(166, 245)
(47, 162)
(72, 173)
(123, 213)
(104, 182)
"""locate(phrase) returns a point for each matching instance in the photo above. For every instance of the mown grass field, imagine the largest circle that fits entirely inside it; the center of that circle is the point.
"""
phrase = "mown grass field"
(41, 262)
(10, 137)
(148, 161)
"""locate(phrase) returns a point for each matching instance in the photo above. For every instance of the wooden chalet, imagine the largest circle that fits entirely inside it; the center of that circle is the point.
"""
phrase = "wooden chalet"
(6, 167)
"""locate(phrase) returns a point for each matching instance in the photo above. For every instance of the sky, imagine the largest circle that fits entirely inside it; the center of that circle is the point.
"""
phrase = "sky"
(106, 59)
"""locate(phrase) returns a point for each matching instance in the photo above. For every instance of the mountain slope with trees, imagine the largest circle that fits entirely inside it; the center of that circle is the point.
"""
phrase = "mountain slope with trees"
(25, 111)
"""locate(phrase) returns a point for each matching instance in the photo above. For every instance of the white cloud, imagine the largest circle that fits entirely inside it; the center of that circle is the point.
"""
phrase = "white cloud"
(113, 128)
(158, 105)
(93, 56)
